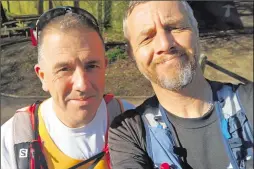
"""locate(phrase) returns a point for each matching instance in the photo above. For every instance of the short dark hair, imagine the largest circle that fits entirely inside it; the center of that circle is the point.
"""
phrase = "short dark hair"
(64, 18)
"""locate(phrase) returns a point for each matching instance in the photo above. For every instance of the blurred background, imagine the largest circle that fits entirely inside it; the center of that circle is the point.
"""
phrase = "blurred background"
(211, 15)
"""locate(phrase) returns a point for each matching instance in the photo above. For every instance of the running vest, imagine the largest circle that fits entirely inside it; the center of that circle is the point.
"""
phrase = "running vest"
(30, 153)
(234, 126)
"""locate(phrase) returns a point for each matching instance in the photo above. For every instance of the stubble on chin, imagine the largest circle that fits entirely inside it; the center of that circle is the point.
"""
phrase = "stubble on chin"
(184, 73)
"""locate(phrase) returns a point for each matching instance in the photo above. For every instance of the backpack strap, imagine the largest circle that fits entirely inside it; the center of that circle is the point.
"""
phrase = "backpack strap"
(114, 108)
(159, 138)
(235, 128)
(27, 143)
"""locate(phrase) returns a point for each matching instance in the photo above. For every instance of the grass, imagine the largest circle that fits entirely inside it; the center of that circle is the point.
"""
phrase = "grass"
(116, 53)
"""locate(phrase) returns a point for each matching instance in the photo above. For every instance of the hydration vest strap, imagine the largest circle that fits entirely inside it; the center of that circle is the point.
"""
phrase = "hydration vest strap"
(37, 159)
(108, 97)
(156, 127)
(148, 138)
(98, 157)
(29, 143)
(234, 126)
(225, 136)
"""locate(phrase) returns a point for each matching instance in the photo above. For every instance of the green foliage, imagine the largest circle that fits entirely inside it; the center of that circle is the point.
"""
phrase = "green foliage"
(116, 53)
(111, 13)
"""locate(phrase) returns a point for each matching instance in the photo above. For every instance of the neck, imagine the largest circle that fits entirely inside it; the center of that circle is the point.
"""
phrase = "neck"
(193, 101)
(73, 121)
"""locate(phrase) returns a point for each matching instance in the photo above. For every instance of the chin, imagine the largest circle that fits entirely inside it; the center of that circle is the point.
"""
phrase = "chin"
(178, 83)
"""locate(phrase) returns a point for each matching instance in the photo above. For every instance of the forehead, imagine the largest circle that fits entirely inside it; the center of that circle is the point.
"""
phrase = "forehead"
(166, 11)
(74, 42)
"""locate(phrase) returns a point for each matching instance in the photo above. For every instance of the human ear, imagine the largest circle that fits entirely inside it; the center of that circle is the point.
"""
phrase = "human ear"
(40, 73)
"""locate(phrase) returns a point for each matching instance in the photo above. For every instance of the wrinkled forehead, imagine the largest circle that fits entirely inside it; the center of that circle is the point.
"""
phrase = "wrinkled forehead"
(167, 11)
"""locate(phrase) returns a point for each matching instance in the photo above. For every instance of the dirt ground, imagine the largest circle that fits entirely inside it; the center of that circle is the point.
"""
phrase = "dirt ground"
(233, 52)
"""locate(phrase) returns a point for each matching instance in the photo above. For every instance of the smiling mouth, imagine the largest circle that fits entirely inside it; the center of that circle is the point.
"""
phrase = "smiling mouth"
(82, 99)
(162, 61)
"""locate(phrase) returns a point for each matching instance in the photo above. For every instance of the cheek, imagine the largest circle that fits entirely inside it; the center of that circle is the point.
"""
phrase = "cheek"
(62, 87)
(185, 39)
(188, 41)
(144, 55)
(97, 79)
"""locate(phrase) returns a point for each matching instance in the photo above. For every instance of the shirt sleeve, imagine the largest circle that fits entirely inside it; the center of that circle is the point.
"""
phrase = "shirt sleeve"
(7, 149)
(246, 99)
(127, 142)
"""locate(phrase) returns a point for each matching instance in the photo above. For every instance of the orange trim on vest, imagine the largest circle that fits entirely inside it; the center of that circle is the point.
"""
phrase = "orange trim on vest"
(55, 158)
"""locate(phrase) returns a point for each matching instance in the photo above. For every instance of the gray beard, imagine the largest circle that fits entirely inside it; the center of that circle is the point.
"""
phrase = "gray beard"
(184, 78)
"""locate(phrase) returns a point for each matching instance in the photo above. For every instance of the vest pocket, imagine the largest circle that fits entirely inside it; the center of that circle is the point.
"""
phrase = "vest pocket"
(162, 146)
(22, 151)
(240, 141)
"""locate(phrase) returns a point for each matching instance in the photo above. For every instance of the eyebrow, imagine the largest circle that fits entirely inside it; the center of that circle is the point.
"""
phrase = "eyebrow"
(167, 23)
(145, 31)
(64, 64)
(61, 64)
(93, 62)
(175, 22)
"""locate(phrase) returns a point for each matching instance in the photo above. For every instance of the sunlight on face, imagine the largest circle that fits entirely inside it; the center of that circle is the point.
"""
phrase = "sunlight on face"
(73, 70)
(164, 44)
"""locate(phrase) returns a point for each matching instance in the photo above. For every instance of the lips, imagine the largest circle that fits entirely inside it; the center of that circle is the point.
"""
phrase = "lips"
(80, 102)
(166, 59)
(82, 98)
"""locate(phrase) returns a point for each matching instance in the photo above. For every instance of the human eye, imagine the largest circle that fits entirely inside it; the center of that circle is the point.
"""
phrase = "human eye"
(90, 67)
(146, 39)
(179, 29)
(64, 69)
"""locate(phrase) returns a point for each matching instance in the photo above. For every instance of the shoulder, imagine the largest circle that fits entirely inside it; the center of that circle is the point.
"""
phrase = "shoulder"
(245, 96)
(127, 105)
(6, 135)
(245, 93)
(6, 128)
(7, 149)
(133, 115)
(129, 118)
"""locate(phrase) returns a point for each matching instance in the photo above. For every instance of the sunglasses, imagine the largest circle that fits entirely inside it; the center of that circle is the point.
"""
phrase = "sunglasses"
(46, 17)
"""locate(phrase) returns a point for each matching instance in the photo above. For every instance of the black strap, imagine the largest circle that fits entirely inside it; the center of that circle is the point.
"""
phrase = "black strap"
(95, 163)
(98, 157)
(180, 151)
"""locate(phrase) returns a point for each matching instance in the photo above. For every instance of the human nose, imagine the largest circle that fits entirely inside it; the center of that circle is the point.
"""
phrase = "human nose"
(81, 81)
(164, 41)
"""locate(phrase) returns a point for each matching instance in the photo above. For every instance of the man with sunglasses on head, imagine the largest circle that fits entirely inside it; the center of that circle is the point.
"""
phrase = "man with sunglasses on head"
(191, 122)
(68, 130)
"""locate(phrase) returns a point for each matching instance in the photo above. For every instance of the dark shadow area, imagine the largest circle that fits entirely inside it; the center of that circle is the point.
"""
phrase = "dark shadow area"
(213, 16)
(3, 16)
